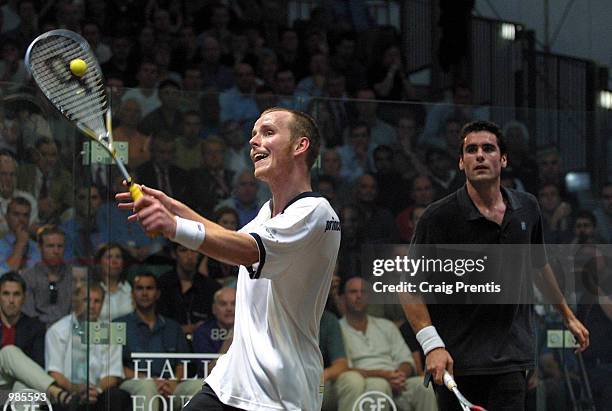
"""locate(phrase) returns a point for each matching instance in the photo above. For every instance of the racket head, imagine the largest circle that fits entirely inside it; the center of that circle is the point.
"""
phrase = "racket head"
(82, 100)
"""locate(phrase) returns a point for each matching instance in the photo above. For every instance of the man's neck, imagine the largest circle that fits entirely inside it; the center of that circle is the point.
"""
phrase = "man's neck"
(285, 191)
(147, 315)
(358, 321)
(9, 321)
(486, 194)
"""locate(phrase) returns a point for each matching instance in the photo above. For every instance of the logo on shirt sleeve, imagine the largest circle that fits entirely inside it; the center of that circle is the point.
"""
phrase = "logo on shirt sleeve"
(332, 225)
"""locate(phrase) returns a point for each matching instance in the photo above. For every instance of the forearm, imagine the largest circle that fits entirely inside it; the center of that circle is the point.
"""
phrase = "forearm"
(228, 246)
(547, 284)
(333, 371)
(62, 381)
(416, 311)
(407, 369)
(129, 373)
(15, 260)
(108, 382)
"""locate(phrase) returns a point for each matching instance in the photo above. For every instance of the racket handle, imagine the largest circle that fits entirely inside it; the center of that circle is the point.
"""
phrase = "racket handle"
(449, 381)
(136, 193)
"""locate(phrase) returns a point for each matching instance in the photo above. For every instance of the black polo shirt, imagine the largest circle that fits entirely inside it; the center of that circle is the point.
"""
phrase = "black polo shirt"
(486, 338)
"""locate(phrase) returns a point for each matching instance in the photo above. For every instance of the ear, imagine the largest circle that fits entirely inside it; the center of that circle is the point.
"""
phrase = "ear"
(461, 166)
(301, 145)
(504, 160)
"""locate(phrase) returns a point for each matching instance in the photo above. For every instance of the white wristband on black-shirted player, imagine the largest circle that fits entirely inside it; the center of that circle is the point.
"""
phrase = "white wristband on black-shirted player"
(189, 233)
(429, 339)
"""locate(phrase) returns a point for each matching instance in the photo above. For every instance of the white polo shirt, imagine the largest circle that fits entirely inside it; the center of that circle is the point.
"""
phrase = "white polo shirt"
(274, 362)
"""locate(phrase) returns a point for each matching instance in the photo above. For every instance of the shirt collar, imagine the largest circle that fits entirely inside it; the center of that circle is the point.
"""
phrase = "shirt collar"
(471, 212)
(296, 198)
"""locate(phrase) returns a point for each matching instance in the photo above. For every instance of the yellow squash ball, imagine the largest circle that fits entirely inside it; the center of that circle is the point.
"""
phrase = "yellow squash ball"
(78, 67)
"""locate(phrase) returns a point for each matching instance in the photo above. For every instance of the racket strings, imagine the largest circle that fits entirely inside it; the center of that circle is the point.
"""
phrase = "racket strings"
(80, 99)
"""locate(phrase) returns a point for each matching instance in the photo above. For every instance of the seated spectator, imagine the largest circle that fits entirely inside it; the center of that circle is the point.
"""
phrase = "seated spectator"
(145, 93)
(147, 331)
(110, 263)
(603, 213)
(186, 296)
(238, 103)
(244, 197)
(356, 153)
(444, 172)
(23, 344)
(378, 355)
(366, 110)
(461, 108)
(349, 255)
(47, 180)
(267, 67)
(167, 116)
(215, 74)
(556, 215)
(224, 274)
(289, 97)
(215, 335)
(338, 391)
(13, 72)
(550, 171)
(520, 156)
(49, 282)
(82, 234)
(192, 89)
(91, 33)
(585, 228)
(345, 60)
(388, 78)
(128, 117)
(162, 56)
(408, 156)
(289, 56)
(73, 362)
(186, 53)
(421, 195)
(237, 152)
(160, 172)
(392, 192)
(120, 64)
(331, 165)
(214, 179)
(314, 84)
(378, 221)
(331, 111)
(189, 145)
(8, 190)
(17, 251)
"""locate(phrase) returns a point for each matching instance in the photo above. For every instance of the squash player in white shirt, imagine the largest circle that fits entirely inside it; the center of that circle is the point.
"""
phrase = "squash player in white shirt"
(286, 257)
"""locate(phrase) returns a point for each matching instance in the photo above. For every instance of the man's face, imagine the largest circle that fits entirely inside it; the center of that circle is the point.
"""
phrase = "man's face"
(606, 199)
(228, 221)
(191, 126)
(8, 176)
(481, 159)
(584, 230)
(383, 160)
(47, 157)
(223, 307)
(549, 198)
(245, 78)
(80, 303)
(331, 163)
(163, 152)
(285, 82)
(170, 96)
(17, 217)
(12, 298)
(452, 133)
(186, 259)
(147, 76)
(549, 167)
(355, 296)
(367, 189)
(232, 134)
(360, 139)
(272, 146)
(422, 191)
(213, 155)
(211, 51)
(350, 222)
(88, 200)
(192, 80)
(246, 191)
(52, 249)
(145, 293)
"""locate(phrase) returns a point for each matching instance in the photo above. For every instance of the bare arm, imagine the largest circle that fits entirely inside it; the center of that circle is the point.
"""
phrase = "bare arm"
(337, 367)
(108, 382)
(62, 381)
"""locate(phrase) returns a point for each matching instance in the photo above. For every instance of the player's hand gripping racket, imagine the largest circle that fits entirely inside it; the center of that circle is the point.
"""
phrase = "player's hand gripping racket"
(78, 92)
(450, 383)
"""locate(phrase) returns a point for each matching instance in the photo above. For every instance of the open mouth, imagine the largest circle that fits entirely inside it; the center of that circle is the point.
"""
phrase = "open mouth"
(481, 168)
(259, 156)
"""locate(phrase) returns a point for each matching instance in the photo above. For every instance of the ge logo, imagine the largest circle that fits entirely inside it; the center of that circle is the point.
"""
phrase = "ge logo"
(27, 400)
(374, 401)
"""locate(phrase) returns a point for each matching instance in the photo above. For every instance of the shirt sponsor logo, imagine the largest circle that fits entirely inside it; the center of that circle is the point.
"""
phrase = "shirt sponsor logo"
(332, 225)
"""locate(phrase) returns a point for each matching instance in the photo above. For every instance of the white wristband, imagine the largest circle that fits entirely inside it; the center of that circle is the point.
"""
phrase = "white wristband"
(429, 339)
(189, 233)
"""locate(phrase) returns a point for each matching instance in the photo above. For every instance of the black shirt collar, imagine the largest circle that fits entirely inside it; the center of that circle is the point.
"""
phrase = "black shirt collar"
(296, 198)
(470, 210)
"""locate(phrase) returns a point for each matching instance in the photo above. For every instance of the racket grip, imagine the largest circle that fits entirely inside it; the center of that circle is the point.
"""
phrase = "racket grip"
(449, 381)
(135, 191)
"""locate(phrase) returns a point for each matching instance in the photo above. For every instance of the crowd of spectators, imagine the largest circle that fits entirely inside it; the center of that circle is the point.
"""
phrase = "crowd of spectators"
(186, 81)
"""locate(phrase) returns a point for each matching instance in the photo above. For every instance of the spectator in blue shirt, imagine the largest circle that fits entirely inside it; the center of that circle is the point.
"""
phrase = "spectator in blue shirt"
(211, 336)
(17, 251)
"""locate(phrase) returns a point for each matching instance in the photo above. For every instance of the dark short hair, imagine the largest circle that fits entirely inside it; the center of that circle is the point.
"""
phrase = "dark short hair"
(48, 229)
(106, 247)
(17, 200)
(146, 274)
(168, 83)
(12, 276)
(480, 125)
(303, 125)
(586, 214)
